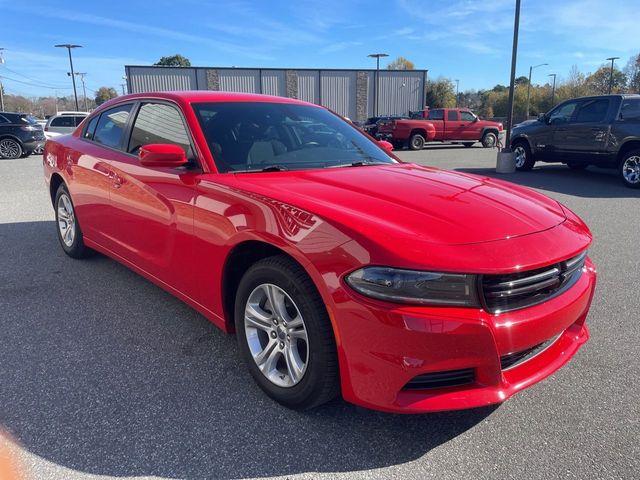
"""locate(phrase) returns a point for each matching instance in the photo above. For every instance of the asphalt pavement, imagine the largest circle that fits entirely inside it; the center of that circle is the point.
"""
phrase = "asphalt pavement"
(104, 375)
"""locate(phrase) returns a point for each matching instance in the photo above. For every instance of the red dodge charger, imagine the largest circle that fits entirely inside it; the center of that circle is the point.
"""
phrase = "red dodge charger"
(340, 268)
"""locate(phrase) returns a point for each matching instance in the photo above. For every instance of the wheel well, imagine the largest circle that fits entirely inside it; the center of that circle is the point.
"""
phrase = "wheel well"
(12, 137)
(520, 140)
(239, 260)
(420, 131)
(56, 180)
(627, 147)
(490, 130)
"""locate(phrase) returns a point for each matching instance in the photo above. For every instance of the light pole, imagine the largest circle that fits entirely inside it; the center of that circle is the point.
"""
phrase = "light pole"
(69, 46)
(613, 59)
(1, 86)
(84, 90)
(553, 90)
(529, 85)
(457, 88)
(124, 85)
(514, 55)
(377, 56)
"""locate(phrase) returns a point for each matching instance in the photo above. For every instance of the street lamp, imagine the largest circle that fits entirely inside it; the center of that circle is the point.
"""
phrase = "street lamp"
(457, 88)
(377, 56)
(69, 46)
(553, 90)
(529, 84)
(84, 90)
(613, 59)
(514, 55)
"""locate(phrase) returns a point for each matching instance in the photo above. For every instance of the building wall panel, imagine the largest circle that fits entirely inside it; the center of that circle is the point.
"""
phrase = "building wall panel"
(239, 80)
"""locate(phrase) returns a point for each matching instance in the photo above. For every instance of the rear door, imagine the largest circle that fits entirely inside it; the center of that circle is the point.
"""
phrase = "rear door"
(584, 136)
(453, 126)
(151, 219)
(436, 117)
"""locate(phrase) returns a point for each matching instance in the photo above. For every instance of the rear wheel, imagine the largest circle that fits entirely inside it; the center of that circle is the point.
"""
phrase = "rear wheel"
(630, 169)
(10, 148)
(524, 158)
(489, 140)
(577, 166)
(69, 233)
(416, 142)
(285, 335)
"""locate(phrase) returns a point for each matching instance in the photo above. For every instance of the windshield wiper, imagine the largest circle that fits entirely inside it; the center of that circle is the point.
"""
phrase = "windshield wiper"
(269, 168)
(358, 164)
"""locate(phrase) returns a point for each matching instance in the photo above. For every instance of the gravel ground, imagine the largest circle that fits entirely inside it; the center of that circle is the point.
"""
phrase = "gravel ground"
(104, 375)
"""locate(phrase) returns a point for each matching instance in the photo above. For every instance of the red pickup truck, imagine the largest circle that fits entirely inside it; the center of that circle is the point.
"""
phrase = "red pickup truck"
(453, 125)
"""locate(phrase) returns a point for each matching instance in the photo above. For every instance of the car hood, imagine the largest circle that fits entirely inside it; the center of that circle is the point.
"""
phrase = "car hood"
(410, 201)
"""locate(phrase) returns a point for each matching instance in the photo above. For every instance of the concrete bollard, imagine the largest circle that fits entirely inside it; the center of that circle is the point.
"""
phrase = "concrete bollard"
(506, 162)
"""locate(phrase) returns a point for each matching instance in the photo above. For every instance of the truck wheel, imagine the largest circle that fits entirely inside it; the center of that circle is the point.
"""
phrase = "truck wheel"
(524, 157)
(416, 142)
(630, 169)
(489, 140)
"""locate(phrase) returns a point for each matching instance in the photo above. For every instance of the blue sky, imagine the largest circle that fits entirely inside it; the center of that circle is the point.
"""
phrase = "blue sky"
(468, 40)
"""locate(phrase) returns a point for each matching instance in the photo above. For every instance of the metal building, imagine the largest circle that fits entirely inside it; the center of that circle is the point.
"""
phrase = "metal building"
(352, 93)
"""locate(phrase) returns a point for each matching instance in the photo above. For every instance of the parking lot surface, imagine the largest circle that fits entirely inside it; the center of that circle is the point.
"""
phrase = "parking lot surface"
(103, 374)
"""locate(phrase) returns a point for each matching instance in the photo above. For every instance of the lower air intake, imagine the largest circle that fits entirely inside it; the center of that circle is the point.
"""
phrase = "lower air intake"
(445, 379)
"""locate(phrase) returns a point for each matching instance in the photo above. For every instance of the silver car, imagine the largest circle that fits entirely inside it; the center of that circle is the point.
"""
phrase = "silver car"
(64, 122)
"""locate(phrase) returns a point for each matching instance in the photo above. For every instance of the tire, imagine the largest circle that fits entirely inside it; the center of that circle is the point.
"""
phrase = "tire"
(469, 144)
(71, 238)
(489, 140)
(289, 379)
(10, 148)
(416, 142)
(577, 166)
(629, 169)
(25, 154)
(524, 157)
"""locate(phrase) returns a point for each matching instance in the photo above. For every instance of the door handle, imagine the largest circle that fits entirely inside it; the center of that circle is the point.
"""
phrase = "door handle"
(117, 180)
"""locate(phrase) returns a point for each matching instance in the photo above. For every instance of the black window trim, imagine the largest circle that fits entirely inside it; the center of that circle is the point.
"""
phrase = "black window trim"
(124, 130)
(574, 117)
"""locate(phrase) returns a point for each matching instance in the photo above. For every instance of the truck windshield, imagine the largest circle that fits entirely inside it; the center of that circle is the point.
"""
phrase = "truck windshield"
(248, 137)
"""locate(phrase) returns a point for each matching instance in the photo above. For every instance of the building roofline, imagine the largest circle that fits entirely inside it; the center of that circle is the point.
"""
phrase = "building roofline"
(280, 68)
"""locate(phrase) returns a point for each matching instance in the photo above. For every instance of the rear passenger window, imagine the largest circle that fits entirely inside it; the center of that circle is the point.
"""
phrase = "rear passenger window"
(65, 121)
(159, 123)
(452, 116)
(436, 115)
(630, 110)
(593, 111)
(90, 128)
(111, 125)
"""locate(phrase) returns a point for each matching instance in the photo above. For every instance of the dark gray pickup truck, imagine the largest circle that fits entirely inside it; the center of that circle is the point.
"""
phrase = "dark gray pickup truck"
(602, 131)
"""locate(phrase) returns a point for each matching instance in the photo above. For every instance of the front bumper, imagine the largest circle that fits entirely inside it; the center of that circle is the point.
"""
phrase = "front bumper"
(384, 347)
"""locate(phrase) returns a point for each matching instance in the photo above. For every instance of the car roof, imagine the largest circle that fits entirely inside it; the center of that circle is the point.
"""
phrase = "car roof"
(201, 96)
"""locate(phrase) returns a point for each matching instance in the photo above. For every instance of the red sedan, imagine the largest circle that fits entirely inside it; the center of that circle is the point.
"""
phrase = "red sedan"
(340, 268)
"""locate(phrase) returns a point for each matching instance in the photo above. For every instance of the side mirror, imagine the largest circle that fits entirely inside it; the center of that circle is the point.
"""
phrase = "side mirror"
(542, 117)
(386, 146)
(162, 155)
(475, 119)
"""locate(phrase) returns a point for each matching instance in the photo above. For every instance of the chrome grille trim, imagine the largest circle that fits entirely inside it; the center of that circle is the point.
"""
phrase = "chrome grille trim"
(504, 293)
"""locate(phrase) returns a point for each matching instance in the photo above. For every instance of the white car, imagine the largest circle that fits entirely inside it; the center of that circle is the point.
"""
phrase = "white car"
(64, 122)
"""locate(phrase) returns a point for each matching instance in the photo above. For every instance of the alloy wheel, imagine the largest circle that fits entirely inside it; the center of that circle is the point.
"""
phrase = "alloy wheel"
(9, 148)
(631, 170)
(276, 335)
(66, 220)
(521, 156)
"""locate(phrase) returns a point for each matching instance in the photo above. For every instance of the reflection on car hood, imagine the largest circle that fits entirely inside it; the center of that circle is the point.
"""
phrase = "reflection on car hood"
(411, 201)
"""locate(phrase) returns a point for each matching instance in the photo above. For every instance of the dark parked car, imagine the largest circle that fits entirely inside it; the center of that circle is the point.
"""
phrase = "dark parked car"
(602, 131)
(20, 135)
(372, 123)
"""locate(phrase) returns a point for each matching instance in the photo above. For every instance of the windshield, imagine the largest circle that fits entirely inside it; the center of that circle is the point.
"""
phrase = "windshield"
(247, 137)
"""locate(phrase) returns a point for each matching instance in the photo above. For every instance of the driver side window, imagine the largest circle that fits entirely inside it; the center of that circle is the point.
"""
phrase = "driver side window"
(159, 123)
(562, 114)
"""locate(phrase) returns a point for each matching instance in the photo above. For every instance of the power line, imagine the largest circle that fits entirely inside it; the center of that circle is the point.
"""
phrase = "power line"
(30, 78)
(33, 84)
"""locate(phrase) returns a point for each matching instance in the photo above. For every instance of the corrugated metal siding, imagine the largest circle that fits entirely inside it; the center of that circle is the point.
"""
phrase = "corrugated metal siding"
(400, 91)
(149, 79)
(308, 86)
(201, 77)
(238, 80)
(338, 92)
(274, 82)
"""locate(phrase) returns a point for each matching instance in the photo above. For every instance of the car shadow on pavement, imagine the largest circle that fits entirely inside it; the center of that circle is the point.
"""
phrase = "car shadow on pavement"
(103, 372)
(590, 183)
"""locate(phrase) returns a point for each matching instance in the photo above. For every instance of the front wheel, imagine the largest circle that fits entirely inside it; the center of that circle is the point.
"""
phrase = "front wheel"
(524, 157)
(630, 169)
(69, 233)
(416, 142)
(489, 140)
(285, 335)
(10, 148)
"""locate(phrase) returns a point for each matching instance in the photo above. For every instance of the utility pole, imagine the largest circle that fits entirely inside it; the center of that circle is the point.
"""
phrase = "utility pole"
(84, 90)
(512, 83)
(123, 90)
(457, 87)
(529, 85)
(613, 59)
(1, 86)
(69, 46)
(377, 57)
(553, 90)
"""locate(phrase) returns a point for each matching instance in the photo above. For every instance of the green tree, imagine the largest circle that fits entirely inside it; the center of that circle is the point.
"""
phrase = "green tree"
(105, 93)
(632, 71)
(441, 93)
(401, 63)
(598, 82)
(176, 60)
(522, 80)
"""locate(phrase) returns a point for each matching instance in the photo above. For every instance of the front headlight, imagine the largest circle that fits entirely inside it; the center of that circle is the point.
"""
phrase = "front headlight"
(415, 287)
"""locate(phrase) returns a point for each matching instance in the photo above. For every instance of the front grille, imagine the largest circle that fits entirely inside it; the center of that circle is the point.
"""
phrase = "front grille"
(444, 379)
(503, 293)
(516, 358)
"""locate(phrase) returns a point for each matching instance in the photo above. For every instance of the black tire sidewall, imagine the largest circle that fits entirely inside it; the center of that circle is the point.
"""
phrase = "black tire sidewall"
(419, 138)
(487, 135)
(528, 162)
(317, 325)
